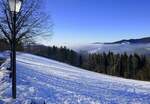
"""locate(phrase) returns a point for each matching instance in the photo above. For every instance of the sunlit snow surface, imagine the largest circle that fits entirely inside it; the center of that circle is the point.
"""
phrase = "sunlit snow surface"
(40, 79)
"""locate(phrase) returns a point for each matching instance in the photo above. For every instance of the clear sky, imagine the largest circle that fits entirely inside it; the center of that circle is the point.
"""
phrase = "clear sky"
(87, 21)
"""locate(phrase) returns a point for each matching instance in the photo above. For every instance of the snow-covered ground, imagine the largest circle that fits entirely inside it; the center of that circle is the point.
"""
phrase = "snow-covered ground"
(40, 79)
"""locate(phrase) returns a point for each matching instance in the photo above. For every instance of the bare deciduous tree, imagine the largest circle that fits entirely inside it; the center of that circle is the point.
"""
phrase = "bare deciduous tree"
(28, 24)
(31, 21)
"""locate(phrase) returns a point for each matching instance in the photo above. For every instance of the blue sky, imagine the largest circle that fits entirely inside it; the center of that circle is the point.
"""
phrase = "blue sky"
(87, 21)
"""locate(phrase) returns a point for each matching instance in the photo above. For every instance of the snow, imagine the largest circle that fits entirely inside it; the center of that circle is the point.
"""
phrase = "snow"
(42, 80)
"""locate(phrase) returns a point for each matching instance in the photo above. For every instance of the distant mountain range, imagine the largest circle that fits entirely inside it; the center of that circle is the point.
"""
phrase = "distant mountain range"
(131, 41)
(140, 46)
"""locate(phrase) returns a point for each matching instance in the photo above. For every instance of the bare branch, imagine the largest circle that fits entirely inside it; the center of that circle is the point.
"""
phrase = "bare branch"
(30, 23)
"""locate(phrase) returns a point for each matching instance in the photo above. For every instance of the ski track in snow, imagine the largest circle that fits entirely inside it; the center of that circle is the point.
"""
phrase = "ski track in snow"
(40, 79)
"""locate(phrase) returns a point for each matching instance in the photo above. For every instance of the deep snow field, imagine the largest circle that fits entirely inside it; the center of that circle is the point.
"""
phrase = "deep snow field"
(40, 79)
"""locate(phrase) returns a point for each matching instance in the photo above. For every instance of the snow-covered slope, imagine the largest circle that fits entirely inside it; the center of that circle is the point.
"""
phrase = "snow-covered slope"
(116, 48)
(40, 79)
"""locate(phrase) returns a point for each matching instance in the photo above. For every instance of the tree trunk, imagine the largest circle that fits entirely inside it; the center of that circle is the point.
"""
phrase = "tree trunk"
(14, 58)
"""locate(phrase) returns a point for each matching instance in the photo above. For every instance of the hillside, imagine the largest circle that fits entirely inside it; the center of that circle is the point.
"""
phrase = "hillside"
(133, 41)
(40, 79)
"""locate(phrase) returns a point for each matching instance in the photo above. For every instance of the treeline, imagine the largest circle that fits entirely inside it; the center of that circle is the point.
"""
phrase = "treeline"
(127, 66)
(3, 44)
(61, 54)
